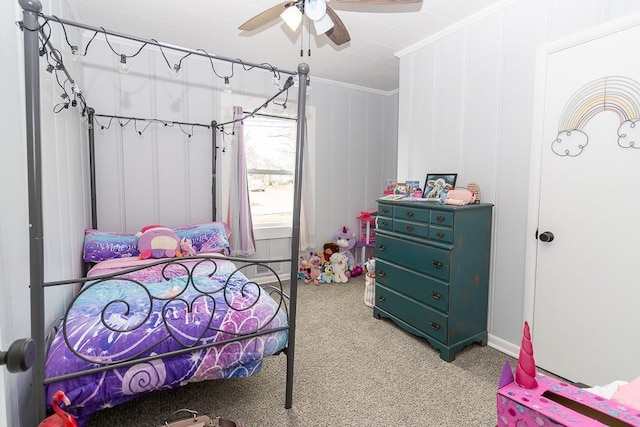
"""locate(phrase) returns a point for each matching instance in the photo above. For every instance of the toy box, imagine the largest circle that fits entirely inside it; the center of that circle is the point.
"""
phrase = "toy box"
(556, 403)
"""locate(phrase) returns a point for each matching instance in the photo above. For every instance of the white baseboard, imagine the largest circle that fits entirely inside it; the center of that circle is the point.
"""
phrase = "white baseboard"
(503, 346)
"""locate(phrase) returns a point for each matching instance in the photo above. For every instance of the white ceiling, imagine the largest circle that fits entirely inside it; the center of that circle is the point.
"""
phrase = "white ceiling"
(368, 60)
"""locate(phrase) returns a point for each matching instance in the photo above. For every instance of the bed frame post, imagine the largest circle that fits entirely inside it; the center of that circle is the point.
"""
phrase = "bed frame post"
(31, 9)
(303, 72)
(214, 157)
(92, 167)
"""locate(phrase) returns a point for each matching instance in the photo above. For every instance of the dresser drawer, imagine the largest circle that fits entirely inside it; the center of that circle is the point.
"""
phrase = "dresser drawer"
(416, 256)
(441, 234)
(385, 210)
(412, 214)
(415, 314)
(384, 223)
(417, 286)
(416, 229)
(441, 218)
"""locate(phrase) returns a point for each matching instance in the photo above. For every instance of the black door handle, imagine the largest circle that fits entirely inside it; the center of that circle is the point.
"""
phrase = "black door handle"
(546, 237)
(20, 356)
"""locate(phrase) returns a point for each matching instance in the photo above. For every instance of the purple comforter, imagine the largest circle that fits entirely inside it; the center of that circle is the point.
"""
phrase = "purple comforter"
(156, 310)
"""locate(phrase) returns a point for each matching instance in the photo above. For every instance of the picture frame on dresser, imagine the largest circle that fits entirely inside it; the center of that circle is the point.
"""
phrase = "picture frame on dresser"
(436, 185)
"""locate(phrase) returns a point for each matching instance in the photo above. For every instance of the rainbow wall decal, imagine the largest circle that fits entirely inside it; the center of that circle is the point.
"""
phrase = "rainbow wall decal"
(614, 93)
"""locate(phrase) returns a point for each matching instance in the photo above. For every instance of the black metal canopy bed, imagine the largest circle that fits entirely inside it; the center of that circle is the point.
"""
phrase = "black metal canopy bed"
(143, 323)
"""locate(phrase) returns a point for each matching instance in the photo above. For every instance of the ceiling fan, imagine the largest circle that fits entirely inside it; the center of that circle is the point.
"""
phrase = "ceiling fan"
(325, 19)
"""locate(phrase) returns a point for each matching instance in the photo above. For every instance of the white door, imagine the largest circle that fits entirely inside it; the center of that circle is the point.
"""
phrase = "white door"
(586, 313)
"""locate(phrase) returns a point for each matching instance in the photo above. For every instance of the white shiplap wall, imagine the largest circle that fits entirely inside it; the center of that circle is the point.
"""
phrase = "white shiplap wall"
(163, 176)
(465, 103)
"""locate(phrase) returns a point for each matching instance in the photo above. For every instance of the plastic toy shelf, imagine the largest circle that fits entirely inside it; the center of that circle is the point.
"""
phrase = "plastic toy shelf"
(367, 238)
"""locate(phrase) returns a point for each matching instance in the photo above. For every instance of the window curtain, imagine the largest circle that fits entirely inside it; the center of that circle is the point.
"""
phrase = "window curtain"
(241, 240)
(307, 200)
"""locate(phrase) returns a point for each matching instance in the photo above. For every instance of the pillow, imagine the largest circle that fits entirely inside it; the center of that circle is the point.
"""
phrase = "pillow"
(104, 245)
(156, 241)
(100, 246)
(207, 238)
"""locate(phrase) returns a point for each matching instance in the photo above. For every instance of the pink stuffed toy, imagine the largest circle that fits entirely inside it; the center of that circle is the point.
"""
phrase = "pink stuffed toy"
(186, 247)
(156, 241)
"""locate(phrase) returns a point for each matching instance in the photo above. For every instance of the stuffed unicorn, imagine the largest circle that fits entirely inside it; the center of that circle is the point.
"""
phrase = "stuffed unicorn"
(346, 240)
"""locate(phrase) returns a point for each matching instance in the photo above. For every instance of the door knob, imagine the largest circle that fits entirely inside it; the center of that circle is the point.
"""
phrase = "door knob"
(546, 237)
(20, 356)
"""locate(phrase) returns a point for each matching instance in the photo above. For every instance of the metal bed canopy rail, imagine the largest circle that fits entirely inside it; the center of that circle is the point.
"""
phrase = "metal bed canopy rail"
(31, 28)
(152, 42)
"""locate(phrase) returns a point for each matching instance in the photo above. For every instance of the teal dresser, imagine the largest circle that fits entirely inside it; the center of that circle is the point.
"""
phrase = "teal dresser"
(432, 271)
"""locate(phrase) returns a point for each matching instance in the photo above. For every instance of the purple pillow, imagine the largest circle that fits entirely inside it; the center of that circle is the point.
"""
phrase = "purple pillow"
(104, 245)
(207, 238)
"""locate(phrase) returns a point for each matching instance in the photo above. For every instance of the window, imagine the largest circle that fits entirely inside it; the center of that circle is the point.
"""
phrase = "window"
(270, 144)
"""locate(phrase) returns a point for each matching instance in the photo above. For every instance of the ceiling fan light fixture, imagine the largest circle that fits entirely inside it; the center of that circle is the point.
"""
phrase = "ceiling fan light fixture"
(292, 17)
(323, 24)
(315, 9)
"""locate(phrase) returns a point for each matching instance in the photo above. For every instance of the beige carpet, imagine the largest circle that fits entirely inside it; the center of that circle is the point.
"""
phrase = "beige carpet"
(350, 370)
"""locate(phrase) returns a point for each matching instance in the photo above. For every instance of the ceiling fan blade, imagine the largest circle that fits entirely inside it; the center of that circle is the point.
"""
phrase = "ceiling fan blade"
(377, 1)
(338, 33)
(264, 17)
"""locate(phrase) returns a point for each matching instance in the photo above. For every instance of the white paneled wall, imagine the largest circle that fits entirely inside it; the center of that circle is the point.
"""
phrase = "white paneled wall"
(163, 176)
(465, 104)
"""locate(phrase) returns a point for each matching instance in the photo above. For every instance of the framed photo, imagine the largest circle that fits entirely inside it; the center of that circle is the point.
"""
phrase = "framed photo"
(437, 185)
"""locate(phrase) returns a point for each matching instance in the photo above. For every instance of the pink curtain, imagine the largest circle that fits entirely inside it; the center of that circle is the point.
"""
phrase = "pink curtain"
(239, 219)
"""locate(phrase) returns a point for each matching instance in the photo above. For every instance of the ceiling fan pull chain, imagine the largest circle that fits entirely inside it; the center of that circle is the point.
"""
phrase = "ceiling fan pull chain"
(302, 40)
(309, 39)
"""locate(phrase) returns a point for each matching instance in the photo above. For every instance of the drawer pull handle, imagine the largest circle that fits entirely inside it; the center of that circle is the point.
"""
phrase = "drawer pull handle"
(436, 295)
(436, 263)
(385, 210)
(435, 325)
(409, 228)
(381, 298)
(382, 247)
(439, 218)
(385, 223)
(382, 273)
(439, 234)
(409, 214)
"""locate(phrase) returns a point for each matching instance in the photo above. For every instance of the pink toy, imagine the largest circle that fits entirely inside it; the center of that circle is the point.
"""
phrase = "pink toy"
(156, 241)
(557, 403)
(526, 368)
(313, 269)
(540, 400)
(460, 196)
(186, 247)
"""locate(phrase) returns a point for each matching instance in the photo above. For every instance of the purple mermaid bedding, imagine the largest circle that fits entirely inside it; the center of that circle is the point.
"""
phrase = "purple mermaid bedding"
(165, 307)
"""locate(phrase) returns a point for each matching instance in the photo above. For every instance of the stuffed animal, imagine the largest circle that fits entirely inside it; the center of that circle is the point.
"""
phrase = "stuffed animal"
(156, 241)
(346, 240)
(460, 196)
(339, 264)
(328, 249)
(327, 274)
(303, 268)
(314, 275)
(186, 247)
(370, 266)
